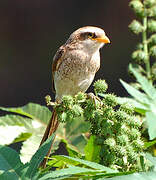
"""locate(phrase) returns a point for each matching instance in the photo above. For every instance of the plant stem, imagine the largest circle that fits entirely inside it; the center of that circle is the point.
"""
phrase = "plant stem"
(145, 46)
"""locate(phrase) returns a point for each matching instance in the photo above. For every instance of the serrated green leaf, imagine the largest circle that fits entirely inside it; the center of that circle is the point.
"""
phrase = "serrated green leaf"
(30, 146)
(39, 156)
(35, 125)
(140, 97)
(9, 159)
(76, 161)
(39, 113)
(140, 108)
(16, 110)
(64, 173)
(21, 171)
(11, 165)
(9, 176)
(17, 125)
(151, 121)
(92, 150)
(145, 84)
(15, 120)
(31, 110)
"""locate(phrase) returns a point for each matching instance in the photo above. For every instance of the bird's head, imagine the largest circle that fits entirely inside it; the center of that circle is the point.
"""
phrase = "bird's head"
(88, 38)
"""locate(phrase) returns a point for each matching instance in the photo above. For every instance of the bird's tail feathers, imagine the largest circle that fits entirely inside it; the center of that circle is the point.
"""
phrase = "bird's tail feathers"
(51, 128)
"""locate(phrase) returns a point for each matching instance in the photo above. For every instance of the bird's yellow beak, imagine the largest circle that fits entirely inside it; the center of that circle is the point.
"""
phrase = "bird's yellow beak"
(103, 39)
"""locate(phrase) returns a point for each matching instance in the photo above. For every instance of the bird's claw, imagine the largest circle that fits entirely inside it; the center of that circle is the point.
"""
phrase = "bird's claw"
(96, 100)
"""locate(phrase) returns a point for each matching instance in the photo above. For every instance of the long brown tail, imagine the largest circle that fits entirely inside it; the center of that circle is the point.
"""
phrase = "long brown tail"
(51, 128)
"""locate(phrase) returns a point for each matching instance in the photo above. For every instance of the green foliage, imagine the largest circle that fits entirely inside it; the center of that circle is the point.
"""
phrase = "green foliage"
(144, 101)
(12, 168)
(79, 168)
(31, 110)
(38, 157)
(15, 125)
(100, 86)
(153, 51)
(139, 56)
(152, 25)
(144, 69)
(9, 159)
(137, 6)
(110, 100)
(146, 25)
(74, 133)
(27, 124)
(64, 114)
(117, 139)
(92, 150)
(30, 128)
(136, 27)
(151, 118)
(87, 164)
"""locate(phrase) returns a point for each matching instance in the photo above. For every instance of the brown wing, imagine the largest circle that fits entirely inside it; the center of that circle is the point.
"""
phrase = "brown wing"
(56, 63)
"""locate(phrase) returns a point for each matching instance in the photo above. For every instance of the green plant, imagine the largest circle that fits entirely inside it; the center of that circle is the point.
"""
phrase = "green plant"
(144, 102)
(143, 91)
(27, 124)
(146, 26)
(11, 166)
(116, 140)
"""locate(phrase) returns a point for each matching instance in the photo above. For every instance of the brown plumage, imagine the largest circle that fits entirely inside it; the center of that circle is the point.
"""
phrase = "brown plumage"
(74, 67)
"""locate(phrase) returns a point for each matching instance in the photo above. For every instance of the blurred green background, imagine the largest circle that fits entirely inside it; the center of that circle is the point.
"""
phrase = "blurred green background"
(32, 30)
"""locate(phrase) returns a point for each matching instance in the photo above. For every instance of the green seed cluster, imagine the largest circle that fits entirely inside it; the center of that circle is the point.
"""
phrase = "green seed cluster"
(115, 126)
(100, 86)
(71, 107)
(145, 24)
(118, 132)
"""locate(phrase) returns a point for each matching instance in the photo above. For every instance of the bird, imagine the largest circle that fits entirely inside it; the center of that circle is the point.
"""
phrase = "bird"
(73, 69)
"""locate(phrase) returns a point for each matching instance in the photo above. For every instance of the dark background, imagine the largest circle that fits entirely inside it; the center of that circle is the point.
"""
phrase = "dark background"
(32, 30)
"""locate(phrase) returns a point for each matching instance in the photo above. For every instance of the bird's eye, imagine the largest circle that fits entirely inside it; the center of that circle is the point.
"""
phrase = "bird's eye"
(87, 35)
(90, 35)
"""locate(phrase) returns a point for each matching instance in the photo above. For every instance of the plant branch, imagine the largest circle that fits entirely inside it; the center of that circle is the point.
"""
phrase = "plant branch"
(145, 47)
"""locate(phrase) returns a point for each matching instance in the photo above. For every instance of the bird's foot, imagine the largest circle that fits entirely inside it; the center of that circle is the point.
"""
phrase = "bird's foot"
(96, 100)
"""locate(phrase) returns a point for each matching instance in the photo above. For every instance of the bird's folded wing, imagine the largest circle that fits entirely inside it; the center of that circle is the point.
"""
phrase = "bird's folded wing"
(57, 60)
